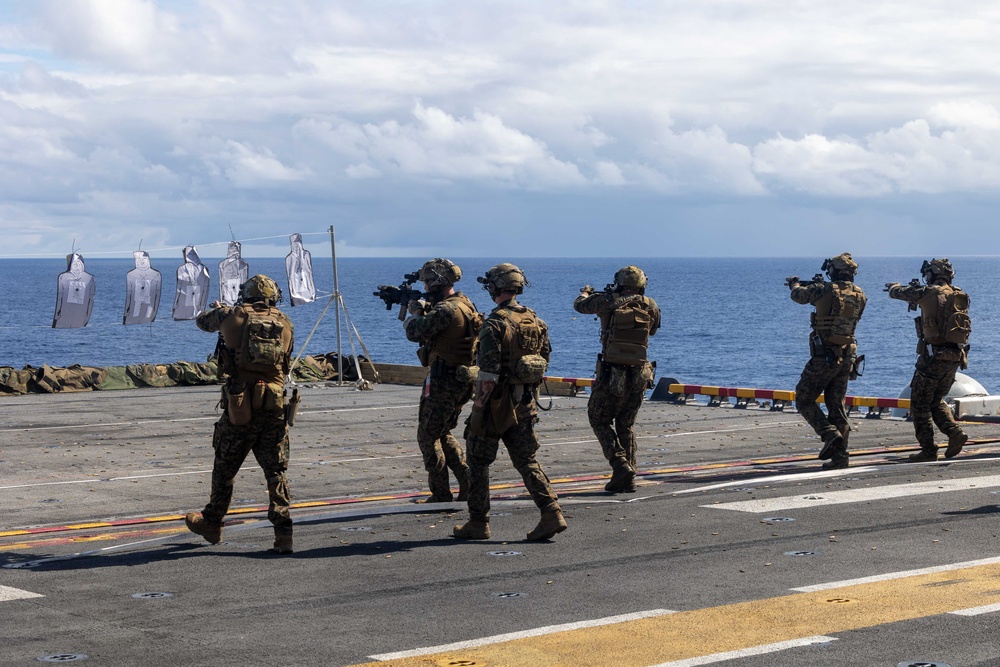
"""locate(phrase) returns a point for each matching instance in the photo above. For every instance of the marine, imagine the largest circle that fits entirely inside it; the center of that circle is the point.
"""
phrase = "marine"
(628, 318)
(255, 347)
(943, 329)
(833, 359)
(512, 356)
(447, 327)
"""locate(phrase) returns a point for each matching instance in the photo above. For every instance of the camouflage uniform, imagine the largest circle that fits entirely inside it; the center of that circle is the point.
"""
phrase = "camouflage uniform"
(266, 435)
(618, 389)
(937, 363)
(511, 416)
(444, 395)
(829, 368)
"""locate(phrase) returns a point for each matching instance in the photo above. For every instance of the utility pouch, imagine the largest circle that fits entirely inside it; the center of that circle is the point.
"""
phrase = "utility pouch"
(423, 355)
(292, 407)
(599, 370)
(257, 398)
(237, 399)
(466, 374)
(530, 369)
(922, 347)
(274, 398)
(476, 423)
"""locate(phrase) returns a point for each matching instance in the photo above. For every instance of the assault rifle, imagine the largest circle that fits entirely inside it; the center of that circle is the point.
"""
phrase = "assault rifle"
(402, 295)
(588, 290)
(791, 280)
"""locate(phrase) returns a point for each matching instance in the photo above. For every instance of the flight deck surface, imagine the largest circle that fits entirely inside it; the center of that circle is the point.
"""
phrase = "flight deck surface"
(736, 548)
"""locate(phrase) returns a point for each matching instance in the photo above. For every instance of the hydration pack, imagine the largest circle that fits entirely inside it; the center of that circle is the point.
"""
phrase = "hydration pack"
(627, 333)
(944, 315)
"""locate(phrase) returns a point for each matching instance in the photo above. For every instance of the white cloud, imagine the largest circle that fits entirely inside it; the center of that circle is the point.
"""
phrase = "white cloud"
(307, 107)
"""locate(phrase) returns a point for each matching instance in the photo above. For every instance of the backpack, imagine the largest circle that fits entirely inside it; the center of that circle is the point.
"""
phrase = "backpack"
(262, 346)
(945, 316)
(627, 333)
(526, 333)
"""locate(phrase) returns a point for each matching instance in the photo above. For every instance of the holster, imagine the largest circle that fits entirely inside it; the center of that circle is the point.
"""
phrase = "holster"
(292, 407)
(438, 369)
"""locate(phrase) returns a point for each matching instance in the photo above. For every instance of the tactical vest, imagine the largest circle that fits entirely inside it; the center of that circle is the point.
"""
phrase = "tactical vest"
(258, 339)
(944, 315)
(626, 331)
(837, 313)
(456, 345)
(522, 338)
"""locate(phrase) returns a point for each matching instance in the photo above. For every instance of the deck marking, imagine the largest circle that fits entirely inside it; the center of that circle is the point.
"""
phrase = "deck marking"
(822, 498)
(741, 628)
(976, 611)
(524, 634)
(792, 477)
(747, 652)
(895, 575)
(8, 593)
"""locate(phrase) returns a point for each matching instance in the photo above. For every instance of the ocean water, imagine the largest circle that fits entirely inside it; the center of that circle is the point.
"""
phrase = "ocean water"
(726, 321)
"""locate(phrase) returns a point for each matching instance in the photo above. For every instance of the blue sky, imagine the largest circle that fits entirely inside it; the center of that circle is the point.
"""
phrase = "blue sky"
(716, 128)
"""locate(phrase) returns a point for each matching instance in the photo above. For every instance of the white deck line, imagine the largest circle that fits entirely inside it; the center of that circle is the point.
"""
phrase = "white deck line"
(8, 593)
(747, 652)
(895, 575)
(512, 636)
(976, 611)
(822, 498)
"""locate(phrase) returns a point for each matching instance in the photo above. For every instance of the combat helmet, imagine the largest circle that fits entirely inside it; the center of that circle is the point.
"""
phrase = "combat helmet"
(630, 277)
(504, 278)
(260, 288)
(842, 264)
(439, 274)
(937, 268)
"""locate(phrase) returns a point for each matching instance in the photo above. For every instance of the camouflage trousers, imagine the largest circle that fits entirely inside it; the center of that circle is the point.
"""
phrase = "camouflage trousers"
(615, 400)
(828, 377)
(267, 437)
(932, 379)
(439, 411)
(521, 445)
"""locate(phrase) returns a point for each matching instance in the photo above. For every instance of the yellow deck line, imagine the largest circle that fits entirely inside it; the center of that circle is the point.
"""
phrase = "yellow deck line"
(680, 636)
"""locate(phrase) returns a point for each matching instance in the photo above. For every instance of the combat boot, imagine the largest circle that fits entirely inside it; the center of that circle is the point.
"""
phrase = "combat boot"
(924, 456)
(473, 530)
(956, 441)
(196, 523)
(433, 499)
(283, 543)
(830, 447)
(552, 522)
(623, 475)
(837, 462)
